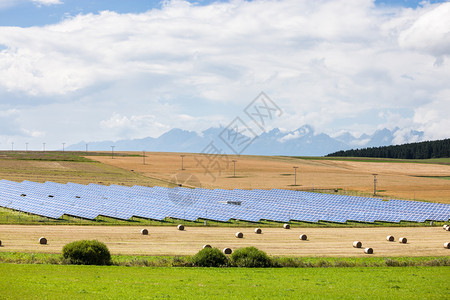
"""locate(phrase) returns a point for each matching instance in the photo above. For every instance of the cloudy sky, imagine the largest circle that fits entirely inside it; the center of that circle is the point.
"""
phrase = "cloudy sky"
(73, 70)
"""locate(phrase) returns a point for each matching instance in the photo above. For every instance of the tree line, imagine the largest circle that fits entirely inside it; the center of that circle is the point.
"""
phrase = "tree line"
(421, 150)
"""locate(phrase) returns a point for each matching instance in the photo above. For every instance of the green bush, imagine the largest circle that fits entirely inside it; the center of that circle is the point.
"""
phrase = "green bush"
(86, 252)
(209, 257)
(250, 257)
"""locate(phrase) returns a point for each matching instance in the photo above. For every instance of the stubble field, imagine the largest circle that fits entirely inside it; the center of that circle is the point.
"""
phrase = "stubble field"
(321, 242)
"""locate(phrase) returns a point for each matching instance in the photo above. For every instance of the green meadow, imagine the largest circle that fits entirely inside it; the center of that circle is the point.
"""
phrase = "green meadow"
(31, 281)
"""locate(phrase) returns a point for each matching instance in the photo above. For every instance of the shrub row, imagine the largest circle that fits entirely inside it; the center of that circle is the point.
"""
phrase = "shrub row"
(96, 253)
(249, 257)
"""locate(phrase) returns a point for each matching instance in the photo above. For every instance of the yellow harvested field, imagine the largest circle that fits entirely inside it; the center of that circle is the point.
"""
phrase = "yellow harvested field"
(395, 180)
(127, 240)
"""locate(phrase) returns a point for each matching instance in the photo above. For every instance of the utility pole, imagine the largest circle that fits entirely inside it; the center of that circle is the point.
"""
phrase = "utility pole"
(43, 146)
(112, 152)
(143, 157)
(63, 146)
(12, 146)
(182, 157)
(234, 168)
(26, 147)
(295, 176)
(374, 184)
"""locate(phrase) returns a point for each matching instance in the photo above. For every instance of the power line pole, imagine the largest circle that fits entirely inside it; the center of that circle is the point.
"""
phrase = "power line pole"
(182, 157)
(112, 152)
(63, 146)
(295, 176)
(43, 146)
(143, 157)
(234, 168)
(374, 184)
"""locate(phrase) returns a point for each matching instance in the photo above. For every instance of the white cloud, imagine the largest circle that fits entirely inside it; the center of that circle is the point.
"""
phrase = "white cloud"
(134, 126)
(430, 32)
(329, 64)
(9, 3)
(433, 118)
(46, 2)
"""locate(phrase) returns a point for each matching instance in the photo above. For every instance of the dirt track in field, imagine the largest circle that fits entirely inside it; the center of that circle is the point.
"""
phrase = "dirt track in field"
(127, 240)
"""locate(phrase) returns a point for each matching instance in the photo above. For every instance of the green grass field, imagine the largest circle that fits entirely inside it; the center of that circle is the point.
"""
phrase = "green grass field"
(94, 282)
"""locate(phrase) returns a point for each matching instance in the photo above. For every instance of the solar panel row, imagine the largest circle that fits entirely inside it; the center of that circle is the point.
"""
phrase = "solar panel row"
(54, 200)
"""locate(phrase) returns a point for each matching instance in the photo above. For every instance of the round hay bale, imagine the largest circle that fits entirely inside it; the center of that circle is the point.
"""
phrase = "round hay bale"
(227, 251)
(445, 226)
(287, 226)
(239, 235)
(390, 238)
(368, 251)
(144, 231)
(206, 246)
(258, 230)
(357, 244)
(180, 227)
(43, 241)
(402, 240)
(303, 237)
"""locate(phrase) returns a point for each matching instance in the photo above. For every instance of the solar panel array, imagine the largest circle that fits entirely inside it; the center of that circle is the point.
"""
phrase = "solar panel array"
(54, 200)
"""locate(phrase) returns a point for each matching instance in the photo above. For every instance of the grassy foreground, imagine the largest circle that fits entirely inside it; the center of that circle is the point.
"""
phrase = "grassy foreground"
(89, 282)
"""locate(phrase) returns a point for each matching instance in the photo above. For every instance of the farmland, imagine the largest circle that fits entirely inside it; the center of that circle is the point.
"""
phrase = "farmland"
(322, 242)
(417, 180)
(328, 245)
(395, 179)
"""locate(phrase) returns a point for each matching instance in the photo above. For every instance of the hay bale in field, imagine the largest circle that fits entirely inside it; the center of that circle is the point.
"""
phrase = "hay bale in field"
(357, 244)
(447, 245)
(180, 227)
(144, 231)
(258, 230)
(402, 240)
(287, 226)
(239, 235)
(206, 246)
(303, 237)
(227, 251)
(43, 241)
(390, 238)
(368, 251)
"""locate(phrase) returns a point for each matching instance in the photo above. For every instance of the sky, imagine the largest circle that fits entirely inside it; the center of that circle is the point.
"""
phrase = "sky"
(78, 70)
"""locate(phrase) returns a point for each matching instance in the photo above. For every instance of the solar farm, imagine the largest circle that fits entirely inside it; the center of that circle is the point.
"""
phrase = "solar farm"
(53, 189)
(53, 200)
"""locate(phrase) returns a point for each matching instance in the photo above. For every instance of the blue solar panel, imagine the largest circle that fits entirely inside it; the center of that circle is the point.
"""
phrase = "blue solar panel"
(89, 201)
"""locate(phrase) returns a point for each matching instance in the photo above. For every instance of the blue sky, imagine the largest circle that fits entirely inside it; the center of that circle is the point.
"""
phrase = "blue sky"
(109, 70)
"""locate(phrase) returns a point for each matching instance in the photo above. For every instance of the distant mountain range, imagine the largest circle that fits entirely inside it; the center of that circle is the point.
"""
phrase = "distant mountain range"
(300, 142)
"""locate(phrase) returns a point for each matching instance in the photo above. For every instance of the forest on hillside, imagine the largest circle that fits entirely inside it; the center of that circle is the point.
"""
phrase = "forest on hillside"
(421, 150)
